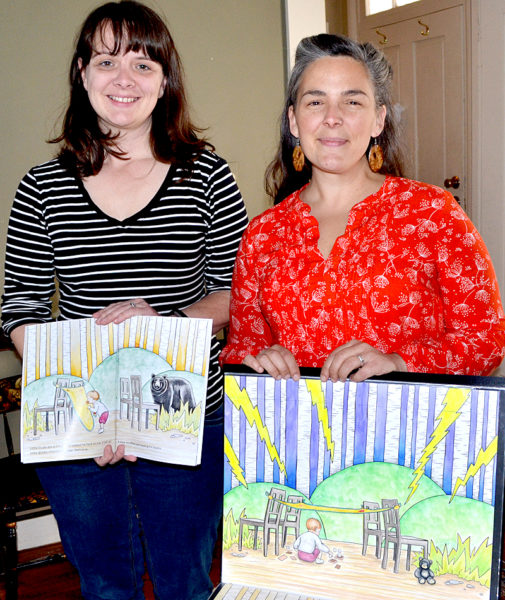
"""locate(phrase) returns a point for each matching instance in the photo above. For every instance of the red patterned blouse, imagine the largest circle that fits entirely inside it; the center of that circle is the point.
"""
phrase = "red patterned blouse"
(410, 275)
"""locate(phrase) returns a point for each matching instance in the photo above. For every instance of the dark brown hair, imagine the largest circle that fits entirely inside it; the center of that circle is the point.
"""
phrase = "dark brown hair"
(281, 179)
(173, 137)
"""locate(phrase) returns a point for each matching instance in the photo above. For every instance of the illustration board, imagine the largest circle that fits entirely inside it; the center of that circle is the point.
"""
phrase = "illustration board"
(381, 489)
(141, 383)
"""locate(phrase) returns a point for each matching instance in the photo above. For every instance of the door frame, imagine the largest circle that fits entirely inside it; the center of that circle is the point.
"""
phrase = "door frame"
(485, 111)
(356, 11)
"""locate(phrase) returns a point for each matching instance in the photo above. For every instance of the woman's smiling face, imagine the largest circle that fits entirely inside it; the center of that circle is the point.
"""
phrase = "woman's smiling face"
(335, 114)
(123, 88)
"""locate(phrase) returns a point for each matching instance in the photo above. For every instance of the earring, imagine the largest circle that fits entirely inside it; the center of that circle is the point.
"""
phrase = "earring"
(298, 157)
(375, 157)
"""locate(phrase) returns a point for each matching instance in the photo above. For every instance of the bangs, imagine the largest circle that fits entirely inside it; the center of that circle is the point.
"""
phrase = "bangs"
(129, 36)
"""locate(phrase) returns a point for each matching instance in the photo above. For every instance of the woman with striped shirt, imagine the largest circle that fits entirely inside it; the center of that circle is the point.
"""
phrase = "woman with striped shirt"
(136, 216)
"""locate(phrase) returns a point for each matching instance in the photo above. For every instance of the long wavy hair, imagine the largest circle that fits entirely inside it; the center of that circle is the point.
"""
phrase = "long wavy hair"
(281, 179)
(174, 139)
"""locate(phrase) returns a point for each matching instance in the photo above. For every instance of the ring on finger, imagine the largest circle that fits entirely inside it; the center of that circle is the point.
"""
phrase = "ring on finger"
(132, 304)
(361, 360)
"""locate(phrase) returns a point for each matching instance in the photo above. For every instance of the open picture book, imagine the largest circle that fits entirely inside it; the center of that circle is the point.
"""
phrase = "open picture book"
(390, 488)
(141, 383)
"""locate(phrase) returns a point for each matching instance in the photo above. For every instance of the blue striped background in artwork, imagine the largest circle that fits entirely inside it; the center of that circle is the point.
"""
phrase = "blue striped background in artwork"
(393, 419)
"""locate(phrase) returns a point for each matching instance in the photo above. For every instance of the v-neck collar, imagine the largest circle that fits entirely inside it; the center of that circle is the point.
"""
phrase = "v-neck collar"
(136, 216)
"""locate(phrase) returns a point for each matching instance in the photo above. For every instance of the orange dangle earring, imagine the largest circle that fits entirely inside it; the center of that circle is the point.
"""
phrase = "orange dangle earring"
(298, 157)
(375, 157)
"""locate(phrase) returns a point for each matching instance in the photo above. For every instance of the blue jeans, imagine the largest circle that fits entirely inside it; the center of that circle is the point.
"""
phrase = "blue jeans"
(115, 519)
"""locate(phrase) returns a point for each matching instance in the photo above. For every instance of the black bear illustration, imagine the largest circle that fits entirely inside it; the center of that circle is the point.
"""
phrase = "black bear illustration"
(172, 392)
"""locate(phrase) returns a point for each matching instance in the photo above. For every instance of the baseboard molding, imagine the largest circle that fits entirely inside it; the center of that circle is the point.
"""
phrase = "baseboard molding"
(40, 554)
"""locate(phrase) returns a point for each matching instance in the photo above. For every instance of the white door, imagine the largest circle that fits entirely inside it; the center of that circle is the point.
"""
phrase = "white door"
(428, 57)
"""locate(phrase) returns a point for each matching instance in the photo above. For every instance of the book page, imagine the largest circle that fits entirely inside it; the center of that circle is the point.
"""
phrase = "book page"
(230, 591)
(141, 383)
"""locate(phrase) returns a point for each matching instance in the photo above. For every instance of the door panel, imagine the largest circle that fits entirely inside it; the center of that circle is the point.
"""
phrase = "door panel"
(429, 81)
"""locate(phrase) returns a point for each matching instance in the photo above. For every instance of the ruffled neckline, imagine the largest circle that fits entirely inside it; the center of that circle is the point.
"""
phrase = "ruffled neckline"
(299, 214)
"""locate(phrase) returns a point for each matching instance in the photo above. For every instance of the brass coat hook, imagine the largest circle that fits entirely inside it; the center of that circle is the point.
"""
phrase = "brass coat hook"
(383, 36)
(426, 28)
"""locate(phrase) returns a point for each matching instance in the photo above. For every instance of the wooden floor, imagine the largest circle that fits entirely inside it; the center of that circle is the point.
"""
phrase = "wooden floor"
(59, 580)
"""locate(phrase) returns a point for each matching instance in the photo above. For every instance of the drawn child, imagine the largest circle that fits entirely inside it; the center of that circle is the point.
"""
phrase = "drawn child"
(309, 545)
(98, 408)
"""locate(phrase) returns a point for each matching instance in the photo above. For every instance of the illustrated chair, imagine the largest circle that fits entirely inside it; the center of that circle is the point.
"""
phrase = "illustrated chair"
(393, 535)
(372, 527)
(58, 408)
(125, 398)
(272, 521)
(291, 518)
(139, 404)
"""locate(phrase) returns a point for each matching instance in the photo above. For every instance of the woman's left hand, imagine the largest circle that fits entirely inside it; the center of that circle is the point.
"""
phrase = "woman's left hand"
(117, 312)
(360, 359)
(110, 457)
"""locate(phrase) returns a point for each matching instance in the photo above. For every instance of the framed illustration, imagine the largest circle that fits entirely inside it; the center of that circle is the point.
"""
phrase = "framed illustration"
(392, 487)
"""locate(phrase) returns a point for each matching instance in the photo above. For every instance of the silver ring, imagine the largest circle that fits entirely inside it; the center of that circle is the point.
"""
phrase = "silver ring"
(361, 360)
(132, 304)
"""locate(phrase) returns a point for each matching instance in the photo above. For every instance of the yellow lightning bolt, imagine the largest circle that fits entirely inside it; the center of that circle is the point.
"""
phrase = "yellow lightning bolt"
(453, 401)
(233, 461)
(483, 459)
(314, 387)
(240, 399)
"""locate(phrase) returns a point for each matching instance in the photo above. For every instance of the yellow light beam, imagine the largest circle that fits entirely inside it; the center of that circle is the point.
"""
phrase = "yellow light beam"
(75, 349)
(98, 346)
(146, 334)
(37, 352)
(240, 399)
(138, 333)
(193, 350)
(180, 361)
(89, 352)
(111, 338)
(126, 334)
(170, 348)
(48, 351)
(59, 360)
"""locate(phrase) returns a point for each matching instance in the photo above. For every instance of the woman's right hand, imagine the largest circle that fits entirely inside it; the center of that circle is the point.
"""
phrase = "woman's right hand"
(117, 312)
(110, 457)
(277, 361)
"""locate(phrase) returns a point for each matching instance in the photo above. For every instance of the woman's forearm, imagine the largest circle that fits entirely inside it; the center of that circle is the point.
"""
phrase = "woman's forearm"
(215, 306)
(18, 338)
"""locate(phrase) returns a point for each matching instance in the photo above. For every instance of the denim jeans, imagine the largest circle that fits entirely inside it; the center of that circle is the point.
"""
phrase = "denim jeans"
(115, 519)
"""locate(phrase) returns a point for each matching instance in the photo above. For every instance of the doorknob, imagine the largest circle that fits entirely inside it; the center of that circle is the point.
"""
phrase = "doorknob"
(453, 182)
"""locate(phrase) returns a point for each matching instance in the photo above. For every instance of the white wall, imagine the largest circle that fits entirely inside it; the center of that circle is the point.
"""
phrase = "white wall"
(303, 18)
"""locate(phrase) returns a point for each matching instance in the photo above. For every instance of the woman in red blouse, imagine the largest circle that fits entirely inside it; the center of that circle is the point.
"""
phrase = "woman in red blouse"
(357, 270)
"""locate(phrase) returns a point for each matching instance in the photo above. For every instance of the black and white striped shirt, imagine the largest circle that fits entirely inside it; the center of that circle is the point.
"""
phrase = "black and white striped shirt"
(176, 250)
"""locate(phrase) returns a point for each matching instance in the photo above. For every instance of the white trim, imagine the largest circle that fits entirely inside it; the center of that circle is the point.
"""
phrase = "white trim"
(302, 18)
(488, 126)
(395, 15)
